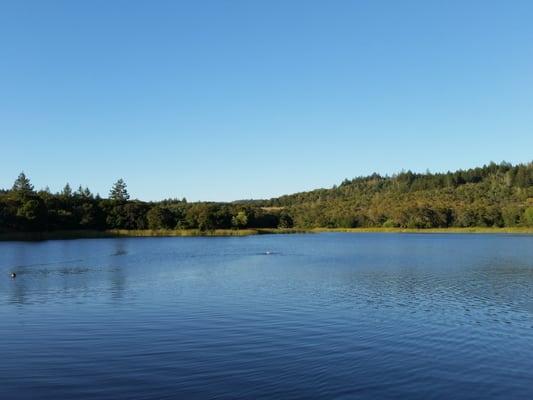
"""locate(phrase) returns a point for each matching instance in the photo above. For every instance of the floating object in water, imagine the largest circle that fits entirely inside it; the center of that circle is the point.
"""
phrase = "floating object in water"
(13, 275)
(268, 253)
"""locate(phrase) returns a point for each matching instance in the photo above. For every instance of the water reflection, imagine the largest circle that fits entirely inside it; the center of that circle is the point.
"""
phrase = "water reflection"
(117, 276)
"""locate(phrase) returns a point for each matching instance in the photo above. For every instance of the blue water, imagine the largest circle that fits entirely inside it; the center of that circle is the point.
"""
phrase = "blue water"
(366, 316)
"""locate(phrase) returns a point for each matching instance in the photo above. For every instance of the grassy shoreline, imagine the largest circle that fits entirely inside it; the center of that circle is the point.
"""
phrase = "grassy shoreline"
(510, 230)
(117, 233)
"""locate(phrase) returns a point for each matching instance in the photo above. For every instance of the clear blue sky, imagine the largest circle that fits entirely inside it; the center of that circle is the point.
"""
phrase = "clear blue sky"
(223, 100)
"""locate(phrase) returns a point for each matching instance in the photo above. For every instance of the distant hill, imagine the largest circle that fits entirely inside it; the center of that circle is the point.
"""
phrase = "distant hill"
(492, 195)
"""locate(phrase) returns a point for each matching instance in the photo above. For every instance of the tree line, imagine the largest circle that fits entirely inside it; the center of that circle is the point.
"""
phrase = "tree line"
(495, 195)
(24, 209)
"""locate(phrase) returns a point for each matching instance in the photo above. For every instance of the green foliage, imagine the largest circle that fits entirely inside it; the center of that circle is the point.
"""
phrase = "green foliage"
(204, 216)
(240, 220)
(491, 196)
(285, 220)
(511, 215)
(31, 214)
(67, 191)
(159, 217)
(389, 224)
(119, 192)
(528, 216)
(496, 195)
(22, 185)
(131, 215)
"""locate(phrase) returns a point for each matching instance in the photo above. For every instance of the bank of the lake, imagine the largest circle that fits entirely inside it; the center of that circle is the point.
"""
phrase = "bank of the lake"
(512, 230)
(115, 233)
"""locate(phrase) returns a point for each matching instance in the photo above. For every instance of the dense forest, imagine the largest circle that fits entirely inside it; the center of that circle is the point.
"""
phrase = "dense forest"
(495, 195)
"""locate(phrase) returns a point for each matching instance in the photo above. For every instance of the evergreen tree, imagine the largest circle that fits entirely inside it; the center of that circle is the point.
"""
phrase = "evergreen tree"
(67, 191)
(22, 184)
(119, 192)
(84, 193)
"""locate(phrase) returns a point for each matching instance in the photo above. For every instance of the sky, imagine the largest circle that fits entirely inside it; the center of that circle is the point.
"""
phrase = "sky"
(226, 100)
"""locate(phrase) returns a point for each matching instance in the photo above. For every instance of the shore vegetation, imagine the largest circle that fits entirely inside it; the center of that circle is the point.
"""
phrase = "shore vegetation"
(491, 198)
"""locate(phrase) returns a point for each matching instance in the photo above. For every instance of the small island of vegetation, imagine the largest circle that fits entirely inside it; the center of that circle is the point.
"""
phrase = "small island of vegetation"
(495, 197)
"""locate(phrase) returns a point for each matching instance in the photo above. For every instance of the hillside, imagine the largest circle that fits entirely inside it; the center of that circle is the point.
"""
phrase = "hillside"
(495, 195)
(492, 195)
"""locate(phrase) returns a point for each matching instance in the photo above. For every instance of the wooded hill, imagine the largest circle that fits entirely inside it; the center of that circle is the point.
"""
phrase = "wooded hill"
(495, 195)
(492, 195)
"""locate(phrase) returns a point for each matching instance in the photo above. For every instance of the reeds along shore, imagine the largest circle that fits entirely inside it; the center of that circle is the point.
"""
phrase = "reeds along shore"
(117, 233)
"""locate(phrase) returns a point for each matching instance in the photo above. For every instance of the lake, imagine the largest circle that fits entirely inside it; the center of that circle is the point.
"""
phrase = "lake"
(344, 316)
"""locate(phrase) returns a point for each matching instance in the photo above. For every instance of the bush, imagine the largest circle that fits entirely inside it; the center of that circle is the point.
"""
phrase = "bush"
(528, 216)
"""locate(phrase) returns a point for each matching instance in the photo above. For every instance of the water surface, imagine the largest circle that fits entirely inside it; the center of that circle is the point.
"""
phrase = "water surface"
(361, 316)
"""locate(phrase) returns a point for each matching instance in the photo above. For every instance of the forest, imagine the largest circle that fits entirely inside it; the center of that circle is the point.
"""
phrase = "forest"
(495, 195)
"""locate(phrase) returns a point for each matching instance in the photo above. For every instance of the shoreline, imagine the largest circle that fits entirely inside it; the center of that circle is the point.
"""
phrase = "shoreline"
(122, 233)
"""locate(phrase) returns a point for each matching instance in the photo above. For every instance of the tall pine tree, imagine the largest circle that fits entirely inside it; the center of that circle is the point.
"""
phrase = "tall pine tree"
(22, 184)
(119, 192)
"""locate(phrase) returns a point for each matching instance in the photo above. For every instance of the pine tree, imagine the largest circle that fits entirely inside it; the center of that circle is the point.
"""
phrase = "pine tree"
(118, 191)
(67, 191)
(22, 184)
